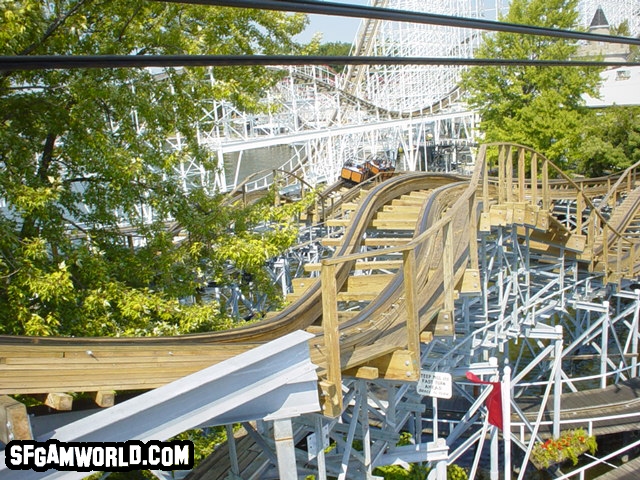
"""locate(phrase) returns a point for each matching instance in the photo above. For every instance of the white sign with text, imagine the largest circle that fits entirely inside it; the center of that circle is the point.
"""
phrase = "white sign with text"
(435, 384)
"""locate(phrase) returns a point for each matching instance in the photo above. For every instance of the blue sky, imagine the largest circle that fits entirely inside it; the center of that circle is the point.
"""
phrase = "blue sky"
(333, 29)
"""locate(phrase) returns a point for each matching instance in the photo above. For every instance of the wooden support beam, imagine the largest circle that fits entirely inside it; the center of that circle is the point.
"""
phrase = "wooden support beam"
(386, 241)
(338, 222)
(426, 337)
(332, 405)
(361, 265)
(14, 421)
(59, 401)
(332, 241)
(356, 296)
(368, 283)
(411, 296)
(105, 398)
(404, 209)
(394, 224)
(509, 174)
(365, 373)
(502, 181)
(471, 282)
(448, 268)
(408, 201)
(397, 365)
(444, 323)
(301, 285)
(521, 174)
(473, 233)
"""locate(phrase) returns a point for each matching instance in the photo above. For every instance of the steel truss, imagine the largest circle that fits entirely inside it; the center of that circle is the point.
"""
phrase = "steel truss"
(416, 88)
(538, 319)
(313, 98)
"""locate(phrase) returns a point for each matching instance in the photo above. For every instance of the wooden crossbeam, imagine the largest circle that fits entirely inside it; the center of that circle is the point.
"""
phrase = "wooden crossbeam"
(105, 398)
(362, 265)
(14, 421)
(59, 401)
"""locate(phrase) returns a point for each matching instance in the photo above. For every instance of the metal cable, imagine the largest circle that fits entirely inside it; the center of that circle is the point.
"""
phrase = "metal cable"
(364, 11)
(43, 62)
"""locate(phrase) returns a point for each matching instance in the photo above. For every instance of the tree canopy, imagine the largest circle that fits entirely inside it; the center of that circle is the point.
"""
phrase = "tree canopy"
(611, 142)
(83, 152)
(335, 49)
(538, 106)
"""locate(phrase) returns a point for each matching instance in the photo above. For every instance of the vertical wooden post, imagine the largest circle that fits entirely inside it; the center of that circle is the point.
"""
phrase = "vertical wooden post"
(447, 265)
(619, 241)
(473, 233)
(591, 241)
(534, 179)
(521, 174)
(485, 179)
(579, 209)
(546, 195)
(411, 296)
(509, 173)
(14, 421)
(501, 175)
(333, 405)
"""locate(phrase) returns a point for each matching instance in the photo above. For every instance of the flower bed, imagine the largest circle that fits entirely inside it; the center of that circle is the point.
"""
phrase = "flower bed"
(569, 446)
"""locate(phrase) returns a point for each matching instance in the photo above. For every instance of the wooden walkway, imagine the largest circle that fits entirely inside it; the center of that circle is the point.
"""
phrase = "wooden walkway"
(621, 399)
(627, 471)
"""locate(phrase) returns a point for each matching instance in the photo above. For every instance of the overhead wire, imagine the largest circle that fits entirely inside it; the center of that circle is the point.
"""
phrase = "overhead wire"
(379, 13)
(41, 62)
(35, 62)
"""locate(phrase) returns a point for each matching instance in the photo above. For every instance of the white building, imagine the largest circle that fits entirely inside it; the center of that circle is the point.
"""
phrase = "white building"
(620, 86)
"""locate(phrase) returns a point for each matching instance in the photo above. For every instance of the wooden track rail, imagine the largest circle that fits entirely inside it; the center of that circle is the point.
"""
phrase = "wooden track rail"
(381, 339)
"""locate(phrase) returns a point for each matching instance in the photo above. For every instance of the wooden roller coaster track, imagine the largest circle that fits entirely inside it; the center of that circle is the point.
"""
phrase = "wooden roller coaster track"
(382, 336)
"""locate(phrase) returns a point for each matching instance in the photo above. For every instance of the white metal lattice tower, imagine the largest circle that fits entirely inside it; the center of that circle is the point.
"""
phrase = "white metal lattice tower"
(408, 88)
(616, 11)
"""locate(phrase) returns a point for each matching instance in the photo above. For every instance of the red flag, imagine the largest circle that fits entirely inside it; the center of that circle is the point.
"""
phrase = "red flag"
(494, 400)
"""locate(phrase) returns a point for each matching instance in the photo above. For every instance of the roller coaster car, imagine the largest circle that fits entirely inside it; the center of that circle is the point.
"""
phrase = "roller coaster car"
(358, 174)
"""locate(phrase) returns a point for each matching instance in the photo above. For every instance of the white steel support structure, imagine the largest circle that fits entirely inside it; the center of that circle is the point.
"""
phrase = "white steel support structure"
(616, 11)
(417, 88)
(316, 99)
(537, 318)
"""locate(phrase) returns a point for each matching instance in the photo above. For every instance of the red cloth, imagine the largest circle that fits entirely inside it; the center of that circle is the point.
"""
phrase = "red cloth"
(494, 400)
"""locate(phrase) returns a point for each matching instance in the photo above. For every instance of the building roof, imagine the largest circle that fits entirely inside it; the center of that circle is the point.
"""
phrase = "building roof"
(599, 19)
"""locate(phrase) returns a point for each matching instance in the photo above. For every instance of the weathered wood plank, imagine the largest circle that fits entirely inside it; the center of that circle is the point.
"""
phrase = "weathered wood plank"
(14, 421)
(104, 398)
(59, 401)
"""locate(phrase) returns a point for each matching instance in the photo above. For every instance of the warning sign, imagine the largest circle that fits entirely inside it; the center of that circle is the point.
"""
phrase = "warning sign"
(435, 384)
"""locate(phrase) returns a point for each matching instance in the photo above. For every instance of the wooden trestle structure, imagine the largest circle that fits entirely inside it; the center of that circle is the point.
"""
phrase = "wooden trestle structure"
(419, 234)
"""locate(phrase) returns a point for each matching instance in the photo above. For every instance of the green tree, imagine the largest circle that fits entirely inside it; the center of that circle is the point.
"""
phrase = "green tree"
(81, 151)
(335, 49)
(538, 106)
(610, 143)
